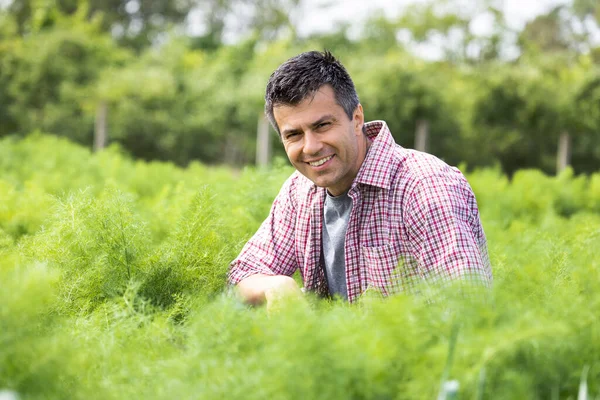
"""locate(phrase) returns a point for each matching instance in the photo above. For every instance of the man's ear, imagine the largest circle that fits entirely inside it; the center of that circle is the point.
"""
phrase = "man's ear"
(358, 118)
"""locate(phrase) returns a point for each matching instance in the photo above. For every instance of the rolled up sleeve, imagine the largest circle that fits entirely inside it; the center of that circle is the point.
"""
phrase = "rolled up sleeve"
(271, 250)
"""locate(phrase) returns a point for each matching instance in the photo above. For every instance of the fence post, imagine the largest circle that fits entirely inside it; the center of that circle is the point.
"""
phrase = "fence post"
(263, 142)
(422, 135)
(563, 158)
(100, 131)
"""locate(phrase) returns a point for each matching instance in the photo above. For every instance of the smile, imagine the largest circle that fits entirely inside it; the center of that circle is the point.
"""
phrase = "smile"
(320, 162)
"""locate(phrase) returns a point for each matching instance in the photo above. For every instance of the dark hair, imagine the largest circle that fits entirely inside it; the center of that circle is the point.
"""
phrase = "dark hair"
(302, 76)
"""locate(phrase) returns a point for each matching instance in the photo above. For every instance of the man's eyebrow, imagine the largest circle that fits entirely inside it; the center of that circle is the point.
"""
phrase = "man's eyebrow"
(313, 125)
(324, 118)
(289, 131)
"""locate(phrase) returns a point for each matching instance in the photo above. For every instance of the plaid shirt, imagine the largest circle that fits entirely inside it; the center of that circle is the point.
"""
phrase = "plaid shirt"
(414, 220)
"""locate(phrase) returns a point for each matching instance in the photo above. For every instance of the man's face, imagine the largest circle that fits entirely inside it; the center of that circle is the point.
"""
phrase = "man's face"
(321, 142)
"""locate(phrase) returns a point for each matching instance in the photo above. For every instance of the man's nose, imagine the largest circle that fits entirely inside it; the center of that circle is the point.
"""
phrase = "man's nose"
(312, 143)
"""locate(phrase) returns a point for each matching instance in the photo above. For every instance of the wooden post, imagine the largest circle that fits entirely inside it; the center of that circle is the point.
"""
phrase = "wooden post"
(263, 142)
(563, 158)
(232, 153)
(100, 131)
(422, 135)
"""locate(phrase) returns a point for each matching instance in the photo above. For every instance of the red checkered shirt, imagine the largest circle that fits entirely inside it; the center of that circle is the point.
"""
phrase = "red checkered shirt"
(414, 221)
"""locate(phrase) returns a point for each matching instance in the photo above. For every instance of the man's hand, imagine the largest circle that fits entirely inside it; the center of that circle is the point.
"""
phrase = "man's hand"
(273, 289)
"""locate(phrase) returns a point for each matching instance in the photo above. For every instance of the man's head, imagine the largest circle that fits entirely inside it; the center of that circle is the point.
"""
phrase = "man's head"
(301, 76)
(312, 103)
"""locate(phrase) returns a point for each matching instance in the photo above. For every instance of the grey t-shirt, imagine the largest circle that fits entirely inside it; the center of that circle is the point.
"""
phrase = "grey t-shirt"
(336, 214)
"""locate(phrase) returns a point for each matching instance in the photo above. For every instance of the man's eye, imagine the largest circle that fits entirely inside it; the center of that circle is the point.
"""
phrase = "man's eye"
(291, 135)
(322, 124)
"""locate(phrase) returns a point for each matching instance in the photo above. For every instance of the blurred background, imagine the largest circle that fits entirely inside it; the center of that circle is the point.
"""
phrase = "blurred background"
(512, 84)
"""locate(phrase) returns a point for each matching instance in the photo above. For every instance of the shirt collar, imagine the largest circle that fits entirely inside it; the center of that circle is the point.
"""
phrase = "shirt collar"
(376, 169)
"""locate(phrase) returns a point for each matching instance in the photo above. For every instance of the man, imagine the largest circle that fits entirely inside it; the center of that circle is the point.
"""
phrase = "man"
(360, 212)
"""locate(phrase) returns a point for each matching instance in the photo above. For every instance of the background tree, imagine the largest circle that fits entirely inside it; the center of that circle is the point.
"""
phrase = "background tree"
(449, 27)
(193, 86)
(588, 14)
(265, 20)
(510, 116)
(586, 150)
(134, 23)
(46, 77)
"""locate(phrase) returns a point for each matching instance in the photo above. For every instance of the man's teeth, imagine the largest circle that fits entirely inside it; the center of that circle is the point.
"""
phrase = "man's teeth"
(321, 161)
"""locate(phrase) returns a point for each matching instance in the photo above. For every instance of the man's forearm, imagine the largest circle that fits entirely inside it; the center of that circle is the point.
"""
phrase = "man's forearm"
(255, 289)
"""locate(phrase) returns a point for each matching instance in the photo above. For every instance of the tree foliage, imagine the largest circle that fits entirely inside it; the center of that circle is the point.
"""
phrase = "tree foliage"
(186, 98)
(135, 23)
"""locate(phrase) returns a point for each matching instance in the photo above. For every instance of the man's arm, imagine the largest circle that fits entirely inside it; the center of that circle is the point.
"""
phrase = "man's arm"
(445, 231)
(264, 268)
(256, 289)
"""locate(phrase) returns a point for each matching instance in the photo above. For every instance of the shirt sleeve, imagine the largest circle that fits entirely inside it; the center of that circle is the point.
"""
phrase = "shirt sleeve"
(445, 231)
(271, 250)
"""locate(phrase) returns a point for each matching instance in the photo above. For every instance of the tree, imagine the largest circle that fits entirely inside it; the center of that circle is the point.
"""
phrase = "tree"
(521, 113)
(586, 104)
(45, 77)
(588, 14)
(547, 33)
(587, 10)
(265, 20)
(135, 23)
(429, 22)
(407, 94)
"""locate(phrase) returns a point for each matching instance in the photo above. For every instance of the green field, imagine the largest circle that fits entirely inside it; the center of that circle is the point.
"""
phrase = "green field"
(112, 275)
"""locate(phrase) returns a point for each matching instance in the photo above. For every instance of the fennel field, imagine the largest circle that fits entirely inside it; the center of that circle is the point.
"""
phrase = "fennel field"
(112, 286)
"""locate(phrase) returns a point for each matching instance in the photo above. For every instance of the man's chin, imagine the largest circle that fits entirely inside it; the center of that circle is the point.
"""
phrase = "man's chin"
(319, 181)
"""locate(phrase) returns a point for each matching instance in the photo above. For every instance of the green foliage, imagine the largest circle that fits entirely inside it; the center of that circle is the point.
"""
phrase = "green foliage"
(135, 25)
(516, 102)
(114, 287)
(402, 91)
(46, 79)
(28, 353)
(186, 99)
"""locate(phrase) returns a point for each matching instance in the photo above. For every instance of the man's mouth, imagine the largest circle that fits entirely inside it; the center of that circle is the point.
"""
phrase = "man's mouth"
(320, 162)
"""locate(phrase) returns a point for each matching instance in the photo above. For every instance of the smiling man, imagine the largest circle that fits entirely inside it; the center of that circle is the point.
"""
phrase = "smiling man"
(361, 212)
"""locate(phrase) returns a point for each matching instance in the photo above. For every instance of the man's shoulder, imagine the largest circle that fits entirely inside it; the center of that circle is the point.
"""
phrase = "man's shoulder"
(403, 164)
(414, 167)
